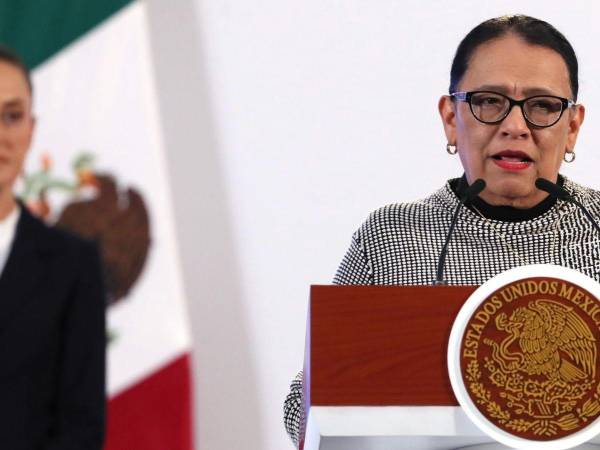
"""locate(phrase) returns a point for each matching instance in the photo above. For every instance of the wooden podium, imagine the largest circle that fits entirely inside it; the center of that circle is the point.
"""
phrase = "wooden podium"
(375, 370)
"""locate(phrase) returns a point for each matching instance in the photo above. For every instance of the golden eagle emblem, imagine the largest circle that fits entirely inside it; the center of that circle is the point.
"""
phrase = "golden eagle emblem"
(529, 358)
(552, 339)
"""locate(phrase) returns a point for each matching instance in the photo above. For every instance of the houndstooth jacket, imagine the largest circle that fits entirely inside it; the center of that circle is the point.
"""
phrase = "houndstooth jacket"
(400, 244)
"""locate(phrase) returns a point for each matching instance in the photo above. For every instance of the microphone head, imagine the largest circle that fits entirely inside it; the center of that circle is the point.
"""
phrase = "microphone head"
(553, 189)
(544, 185)
(473, 190)
(477, 186)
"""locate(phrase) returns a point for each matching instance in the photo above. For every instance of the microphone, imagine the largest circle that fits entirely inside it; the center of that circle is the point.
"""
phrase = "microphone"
(558, 191)
(470, 193)
(553, 189)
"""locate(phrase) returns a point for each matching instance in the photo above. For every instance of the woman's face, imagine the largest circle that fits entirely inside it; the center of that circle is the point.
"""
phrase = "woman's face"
(16, 123)
(512, 67)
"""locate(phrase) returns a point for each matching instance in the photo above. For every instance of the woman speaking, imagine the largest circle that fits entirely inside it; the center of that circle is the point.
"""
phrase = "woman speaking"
(512, 118)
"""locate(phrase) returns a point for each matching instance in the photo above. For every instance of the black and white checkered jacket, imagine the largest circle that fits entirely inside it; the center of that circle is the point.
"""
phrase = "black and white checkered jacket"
(400, 244)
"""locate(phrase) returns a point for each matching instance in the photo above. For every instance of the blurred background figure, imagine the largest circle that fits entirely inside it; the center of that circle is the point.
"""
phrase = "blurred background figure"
(96, 170)
(52, 339)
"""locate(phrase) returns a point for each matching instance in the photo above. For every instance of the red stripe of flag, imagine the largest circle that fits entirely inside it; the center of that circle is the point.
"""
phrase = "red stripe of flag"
(154, 414)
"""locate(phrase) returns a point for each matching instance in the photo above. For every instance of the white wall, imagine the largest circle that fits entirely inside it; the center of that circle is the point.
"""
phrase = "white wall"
(286, 122)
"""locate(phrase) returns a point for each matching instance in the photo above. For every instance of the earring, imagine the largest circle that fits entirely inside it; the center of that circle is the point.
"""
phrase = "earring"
(451, 149)
(569, 159)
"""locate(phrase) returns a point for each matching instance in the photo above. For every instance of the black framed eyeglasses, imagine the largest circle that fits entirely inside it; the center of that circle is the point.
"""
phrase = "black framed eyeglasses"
(540, 111)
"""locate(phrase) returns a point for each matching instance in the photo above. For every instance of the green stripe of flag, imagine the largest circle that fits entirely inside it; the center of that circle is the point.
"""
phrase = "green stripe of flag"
(37, 29)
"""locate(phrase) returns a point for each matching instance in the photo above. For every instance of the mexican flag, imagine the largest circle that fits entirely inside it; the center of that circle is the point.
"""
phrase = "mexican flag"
(97, 166)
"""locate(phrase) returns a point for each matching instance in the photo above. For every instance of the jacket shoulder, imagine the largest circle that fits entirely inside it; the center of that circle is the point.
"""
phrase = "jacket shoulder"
(49, 238)
(398, 216)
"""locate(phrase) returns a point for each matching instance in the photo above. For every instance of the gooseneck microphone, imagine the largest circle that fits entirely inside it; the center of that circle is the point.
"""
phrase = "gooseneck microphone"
(553, 189)
(559, 192)
(470, 193)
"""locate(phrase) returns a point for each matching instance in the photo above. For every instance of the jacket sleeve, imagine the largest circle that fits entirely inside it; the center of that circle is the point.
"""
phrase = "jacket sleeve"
(293, 409)
(81, 398)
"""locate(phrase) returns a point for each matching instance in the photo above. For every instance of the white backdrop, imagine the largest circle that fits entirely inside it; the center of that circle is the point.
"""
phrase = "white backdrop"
(286, 123)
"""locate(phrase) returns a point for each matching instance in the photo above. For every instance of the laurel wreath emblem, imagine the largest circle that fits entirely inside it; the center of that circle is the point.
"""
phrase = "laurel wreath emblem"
(519, 391)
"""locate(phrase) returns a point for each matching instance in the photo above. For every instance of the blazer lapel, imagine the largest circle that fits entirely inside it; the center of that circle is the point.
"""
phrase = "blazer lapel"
(23, 268)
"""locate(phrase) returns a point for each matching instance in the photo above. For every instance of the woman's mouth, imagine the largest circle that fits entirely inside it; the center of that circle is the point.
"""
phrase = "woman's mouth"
(512, 160)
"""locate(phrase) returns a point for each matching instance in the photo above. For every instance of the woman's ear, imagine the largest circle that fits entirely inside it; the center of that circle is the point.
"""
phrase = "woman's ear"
(447, 109)
(575, 121)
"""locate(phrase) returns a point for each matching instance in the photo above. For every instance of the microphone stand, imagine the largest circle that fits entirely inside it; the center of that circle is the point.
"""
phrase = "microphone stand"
(470, 193)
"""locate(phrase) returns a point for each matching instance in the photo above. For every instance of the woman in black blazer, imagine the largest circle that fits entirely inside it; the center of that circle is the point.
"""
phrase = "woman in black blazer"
(52, 302)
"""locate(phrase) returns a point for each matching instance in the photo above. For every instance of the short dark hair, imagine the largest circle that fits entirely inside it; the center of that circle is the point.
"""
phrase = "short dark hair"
(10, 57)
(531, 30)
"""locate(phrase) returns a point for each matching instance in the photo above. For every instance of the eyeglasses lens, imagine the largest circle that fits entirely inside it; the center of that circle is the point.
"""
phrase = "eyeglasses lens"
(543, 111)
(540, 110)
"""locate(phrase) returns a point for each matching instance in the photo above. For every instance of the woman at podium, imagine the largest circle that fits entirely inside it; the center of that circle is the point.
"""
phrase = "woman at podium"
(512, 117)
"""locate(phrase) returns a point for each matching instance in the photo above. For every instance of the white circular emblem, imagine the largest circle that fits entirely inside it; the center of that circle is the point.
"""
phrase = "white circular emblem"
(544, 389)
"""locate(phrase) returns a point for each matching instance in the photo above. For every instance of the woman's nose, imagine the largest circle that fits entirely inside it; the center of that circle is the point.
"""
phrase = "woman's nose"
(514, 124)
